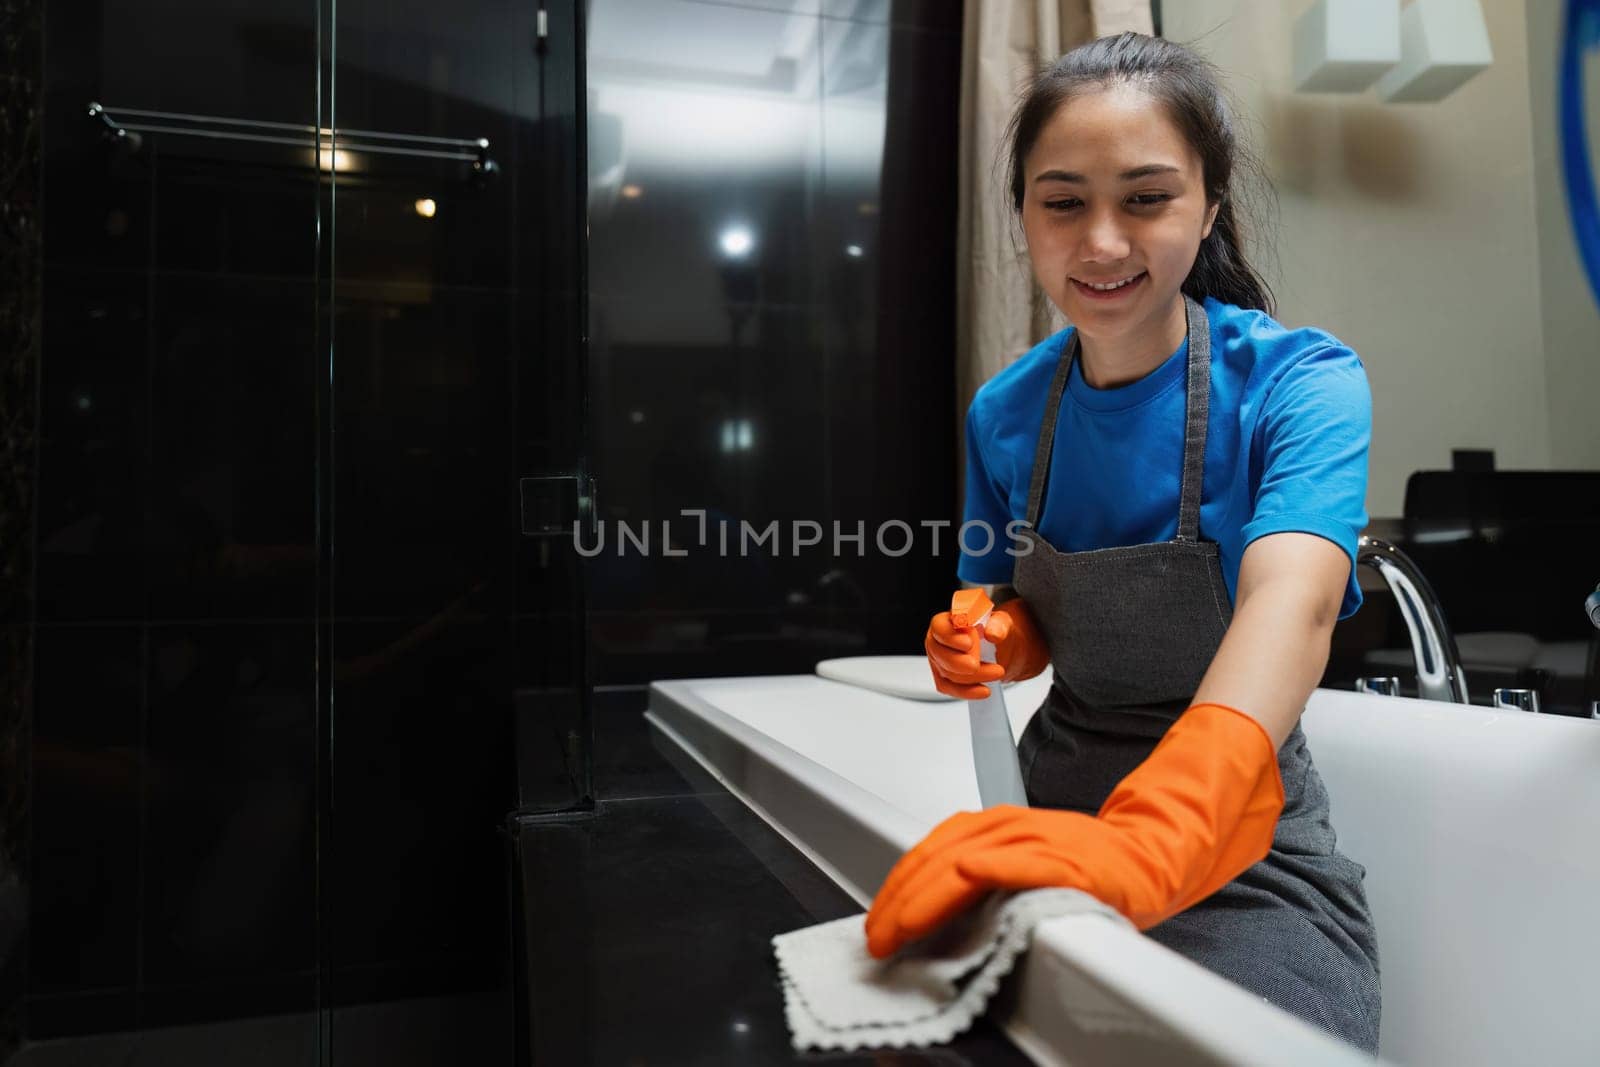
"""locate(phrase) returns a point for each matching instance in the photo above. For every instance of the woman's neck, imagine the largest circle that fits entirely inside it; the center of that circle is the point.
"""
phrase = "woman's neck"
(1110, 362)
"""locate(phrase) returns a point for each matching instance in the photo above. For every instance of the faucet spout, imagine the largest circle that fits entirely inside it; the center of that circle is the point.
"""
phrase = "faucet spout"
(1433, 645)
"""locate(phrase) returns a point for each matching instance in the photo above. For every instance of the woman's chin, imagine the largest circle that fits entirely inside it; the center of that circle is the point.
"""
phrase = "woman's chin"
(1081, 311)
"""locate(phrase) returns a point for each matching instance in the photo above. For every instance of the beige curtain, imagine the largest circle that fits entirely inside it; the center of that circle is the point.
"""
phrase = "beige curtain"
(1000, 313)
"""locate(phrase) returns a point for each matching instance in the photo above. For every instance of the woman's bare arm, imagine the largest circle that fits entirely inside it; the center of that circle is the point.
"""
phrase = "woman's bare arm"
(1276, 648)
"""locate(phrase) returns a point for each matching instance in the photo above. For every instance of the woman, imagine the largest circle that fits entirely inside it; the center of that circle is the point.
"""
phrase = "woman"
(1192, 476)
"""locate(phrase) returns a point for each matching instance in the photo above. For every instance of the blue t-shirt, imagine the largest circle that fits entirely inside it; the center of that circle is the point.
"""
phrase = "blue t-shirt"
(1286, 449)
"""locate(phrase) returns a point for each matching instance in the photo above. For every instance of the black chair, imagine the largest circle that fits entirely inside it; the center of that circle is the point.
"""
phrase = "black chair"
(1514, 551)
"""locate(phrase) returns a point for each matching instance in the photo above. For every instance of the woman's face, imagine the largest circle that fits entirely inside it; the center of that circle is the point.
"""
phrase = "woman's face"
(1113, 194)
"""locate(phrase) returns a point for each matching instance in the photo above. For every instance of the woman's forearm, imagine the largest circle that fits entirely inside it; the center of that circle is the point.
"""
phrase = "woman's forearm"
(1272, 656)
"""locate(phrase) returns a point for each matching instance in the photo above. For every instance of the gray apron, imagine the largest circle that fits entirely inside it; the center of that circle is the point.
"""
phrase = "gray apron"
(1131, 632)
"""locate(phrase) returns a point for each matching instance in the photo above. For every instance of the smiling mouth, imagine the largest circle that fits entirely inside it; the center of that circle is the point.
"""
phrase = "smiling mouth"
(1108, 290)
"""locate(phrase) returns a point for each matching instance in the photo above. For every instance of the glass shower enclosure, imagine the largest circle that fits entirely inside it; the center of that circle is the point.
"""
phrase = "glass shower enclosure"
(298, 624)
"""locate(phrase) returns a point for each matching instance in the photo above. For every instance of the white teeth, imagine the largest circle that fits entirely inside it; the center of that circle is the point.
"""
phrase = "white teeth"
(1112, 285)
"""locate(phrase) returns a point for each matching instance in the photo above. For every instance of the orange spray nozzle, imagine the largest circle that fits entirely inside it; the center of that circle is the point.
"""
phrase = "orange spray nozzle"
(969, 607)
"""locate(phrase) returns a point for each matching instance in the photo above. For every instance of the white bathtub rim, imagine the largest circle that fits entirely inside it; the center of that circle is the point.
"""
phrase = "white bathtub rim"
(1224, 1022)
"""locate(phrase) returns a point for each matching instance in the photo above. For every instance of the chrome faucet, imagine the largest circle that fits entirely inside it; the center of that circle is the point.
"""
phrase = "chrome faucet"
(1591, 667)
(1433, 646)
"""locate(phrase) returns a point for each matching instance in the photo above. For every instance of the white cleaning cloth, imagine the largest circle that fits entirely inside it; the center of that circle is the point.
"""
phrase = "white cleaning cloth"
(836, 996)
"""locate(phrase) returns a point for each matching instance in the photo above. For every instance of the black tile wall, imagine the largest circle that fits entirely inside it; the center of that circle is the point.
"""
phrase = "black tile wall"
(421, 446)
(454, 74)
(88, 771)
(421, 751)
(109, 191)
(232, 392)
(275, 661)
(21, 270)
(94, 416)
(224, 213)
(231, 58)
(228, 841)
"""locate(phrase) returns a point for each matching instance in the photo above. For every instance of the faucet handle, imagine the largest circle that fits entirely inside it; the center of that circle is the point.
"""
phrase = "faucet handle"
(1521, 699)
(1382, 687)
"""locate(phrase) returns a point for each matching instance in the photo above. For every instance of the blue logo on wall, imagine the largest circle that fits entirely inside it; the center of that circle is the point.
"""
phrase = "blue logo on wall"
(1582, 34)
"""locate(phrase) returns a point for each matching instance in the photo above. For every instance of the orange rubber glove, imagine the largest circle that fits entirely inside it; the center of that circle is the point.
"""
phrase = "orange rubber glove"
(952, 645)
(1199, 810)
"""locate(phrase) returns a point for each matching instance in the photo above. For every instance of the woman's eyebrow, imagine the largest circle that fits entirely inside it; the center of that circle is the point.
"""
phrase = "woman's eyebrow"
(1128, 175)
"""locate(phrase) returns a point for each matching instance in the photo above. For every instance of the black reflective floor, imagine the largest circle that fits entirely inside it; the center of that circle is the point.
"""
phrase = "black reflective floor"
(407, 1033)
(648, 925)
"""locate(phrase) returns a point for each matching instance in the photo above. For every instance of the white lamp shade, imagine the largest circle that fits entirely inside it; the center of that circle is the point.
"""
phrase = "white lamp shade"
(1343, 46)
(1442, 44)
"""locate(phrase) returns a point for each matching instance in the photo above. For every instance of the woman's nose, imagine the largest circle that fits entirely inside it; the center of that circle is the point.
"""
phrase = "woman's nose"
(1103, 239)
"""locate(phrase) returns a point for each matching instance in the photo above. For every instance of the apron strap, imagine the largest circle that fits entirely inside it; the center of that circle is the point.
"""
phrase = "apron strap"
(1198, 407)
(1047, 430)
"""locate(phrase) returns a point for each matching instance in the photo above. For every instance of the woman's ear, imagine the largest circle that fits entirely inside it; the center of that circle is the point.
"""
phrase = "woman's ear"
(1211, 218)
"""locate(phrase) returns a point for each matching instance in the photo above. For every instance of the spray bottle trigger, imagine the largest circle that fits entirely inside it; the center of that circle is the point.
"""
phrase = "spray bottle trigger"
(970, 607)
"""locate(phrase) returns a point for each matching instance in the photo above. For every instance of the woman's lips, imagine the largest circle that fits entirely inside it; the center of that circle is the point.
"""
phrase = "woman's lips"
(1089, 292)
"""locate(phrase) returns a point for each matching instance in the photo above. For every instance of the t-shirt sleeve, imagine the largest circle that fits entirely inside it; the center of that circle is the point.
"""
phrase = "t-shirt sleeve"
(1312, 440)
(986, 514)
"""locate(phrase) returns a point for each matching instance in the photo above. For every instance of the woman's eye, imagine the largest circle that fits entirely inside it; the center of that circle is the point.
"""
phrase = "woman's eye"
(1150, 199)
(1062, 205)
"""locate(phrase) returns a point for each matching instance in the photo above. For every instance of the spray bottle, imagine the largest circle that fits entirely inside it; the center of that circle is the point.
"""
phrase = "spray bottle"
(994, 750)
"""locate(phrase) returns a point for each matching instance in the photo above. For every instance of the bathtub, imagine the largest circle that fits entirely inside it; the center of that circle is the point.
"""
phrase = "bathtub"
(1479, 829)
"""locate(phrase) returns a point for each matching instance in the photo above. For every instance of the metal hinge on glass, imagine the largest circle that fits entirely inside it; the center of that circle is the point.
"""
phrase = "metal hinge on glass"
(556, 504)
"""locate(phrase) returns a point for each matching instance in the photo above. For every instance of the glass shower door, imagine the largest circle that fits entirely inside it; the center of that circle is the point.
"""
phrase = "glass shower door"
(453, 619)
(301, 628)
(167, 837)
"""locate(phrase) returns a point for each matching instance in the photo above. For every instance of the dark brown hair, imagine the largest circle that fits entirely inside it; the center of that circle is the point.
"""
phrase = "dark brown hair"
(1188, 86)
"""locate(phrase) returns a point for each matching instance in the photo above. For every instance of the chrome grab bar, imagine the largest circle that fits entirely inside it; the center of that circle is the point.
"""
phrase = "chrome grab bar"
(470, 150)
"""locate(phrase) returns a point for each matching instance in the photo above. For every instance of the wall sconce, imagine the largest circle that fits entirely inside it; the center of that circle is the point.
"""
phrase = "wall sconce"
(1424, 51)
(1443, 43)
(1343, 46)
